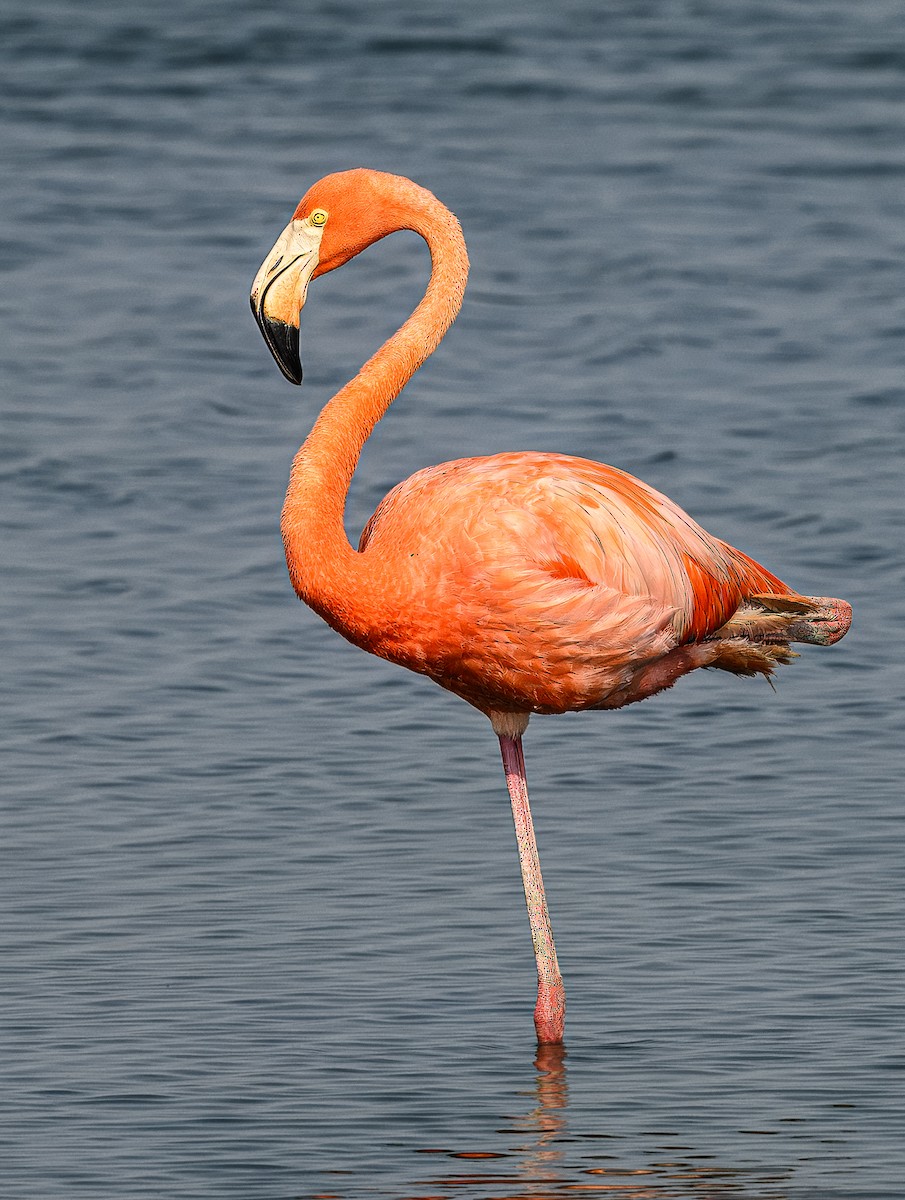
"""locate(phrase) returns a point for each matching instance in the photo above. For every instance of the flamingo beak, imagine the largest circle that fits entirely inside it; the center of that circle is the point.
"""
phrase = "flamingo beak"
(279, 290)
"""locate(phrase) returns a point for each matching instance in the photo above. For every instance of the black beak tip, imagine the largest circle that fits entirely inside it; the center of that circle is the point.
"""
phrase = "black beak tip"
(283, 342)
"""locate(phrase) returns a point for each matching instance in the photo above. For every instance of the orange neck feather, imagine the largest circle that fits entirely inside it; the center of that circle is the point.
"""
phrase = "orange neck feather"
(326, 572)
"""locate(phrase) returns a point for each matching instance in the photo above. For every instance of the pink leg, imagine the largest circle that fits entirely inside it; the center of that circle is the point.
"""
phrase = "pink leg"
(550, 1010)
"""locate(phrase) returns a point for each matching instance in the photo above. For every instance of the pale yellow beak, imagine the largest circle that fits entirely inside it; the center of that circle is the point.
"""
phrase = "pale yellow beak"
(279, 290)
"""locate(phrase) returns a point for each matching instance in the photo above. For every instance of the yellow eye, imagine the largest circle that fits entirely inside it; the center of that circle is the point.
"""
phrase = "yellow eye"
(318, 217)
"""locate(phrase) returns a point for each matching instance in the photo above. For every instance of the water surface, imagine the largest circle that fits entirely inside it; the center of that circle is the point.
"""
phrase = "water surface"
(261, 925)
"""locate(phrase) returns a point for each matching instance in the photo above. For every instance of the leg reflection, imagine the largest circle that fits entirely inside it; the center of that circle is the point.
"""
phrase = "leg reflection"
(546, 1121)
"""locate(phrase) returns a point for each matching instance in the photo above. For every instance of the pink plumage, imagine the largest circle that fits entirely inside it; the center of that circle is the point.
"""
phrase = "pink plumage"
(525, 583)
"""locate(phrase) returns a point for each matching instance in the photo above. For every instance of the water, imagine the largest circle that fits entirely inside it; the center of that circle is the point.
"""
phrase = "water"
(262, 933)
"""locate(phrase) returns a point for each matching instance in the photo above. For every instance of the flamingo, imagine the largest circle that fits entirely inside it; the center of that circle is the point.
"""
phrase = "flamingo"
(522, 582)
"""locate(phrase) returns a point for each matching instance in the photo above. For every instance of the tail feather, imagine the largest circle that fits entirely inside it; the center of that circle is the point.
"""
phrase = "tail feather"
(744, 657)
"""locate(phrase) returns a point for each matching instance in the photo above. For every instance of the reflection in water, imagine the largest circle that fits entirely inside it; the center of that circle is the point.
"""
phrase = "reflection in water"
(553, 1162)
(547, 1119)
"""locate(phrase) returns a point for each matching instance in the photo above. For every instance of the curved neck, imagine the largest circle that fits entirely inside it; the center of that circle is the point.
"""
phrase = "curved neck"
(322, 564)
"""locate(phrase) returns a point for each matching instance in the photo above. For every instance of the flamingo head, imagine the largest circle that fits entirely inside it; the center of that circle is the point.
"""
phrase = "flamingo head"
(335, 220)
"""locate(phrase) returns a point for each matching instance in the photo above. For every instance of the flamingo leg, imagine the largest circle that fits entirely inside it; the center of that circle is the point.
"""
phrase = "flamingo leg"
(550, 1010)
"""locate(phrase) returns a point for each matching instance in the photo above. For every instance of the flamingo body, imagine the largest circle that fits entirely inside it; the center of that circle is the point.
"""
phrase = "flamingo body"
(524, 582)
(543, 583)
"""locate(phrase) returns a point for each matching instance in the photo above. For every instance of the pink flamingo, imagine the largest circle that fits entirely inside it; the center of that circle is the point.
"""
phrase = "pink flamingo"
(525, 583)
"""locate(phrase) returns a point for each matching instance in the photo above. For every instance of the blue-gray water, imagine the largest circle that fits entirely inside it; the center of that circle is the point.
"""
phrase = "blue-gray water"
(261, 929)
